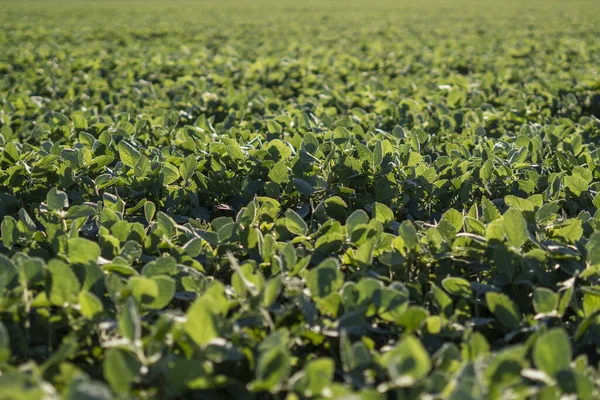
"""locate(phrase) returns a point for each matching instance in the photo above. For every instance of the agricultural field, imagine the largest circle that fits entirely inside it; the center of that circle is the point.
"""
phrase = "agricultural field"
(269, 199)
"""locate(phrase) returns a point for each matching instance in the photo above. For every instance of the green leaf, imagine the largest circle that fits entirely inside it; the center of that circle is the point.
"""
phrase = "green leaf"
(408, 362)
(490, 212)
(570, 231)
(504, 309)
(486, 171)
(101, 161)
(185, 373)
(129, 321)
(565, 300)
(398, 132)
(278, 150)
(11, 153)
(294, 223)
(128, 154)
(412, 318)
(315, 377)
(4, 344)
(358, 217)
(169, 173)
(82, 251)
(303, 187)
(325, 279)
(495, 230)
(8, 271)
(273, 368)
(25, 223)
(408, 233)
(518, 156)
(80, 211)
(272, 291)
(596, 201)
(475, 226)
(149, 210)
(364, 153)
(144, 290)
(515, 228)
(279, 172)
(79, 121)
(576, 184)
(393, 304)
(519, 203)
(142, 167)
(455, 218)
(56, 200)
(546, 212)
(577, 383)
(120, 370)
(188, 167)
(31, 271)
(475, 346)
(274, 126)
(552, 351)
(444, 302)
(591, 301)
(84, 389)
(10, 232)
(593, 249)
(194, 247)
(166, 291)
(64, 285)
(89, 304)
(364, 253)
(235, 152)
(544, 300)
(378, 154)
(457, 286)
(202, 322)
(341, 135)
(166, 224)
(310, 143)
(383, 214)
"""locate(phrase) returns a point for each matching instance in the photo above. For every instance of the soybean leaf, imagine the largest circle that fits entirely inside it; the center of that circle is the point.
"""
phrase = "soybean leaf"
(552, 351)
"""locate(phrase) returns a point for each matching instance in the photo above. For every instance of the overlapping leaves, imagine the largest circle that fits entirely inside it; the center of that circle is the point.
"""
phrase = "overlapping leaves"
(247, 208)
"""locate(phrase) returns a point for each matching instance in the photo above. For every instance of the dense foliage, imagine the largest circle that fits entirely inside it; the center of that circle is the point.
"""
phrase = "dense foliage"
(296, 200)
